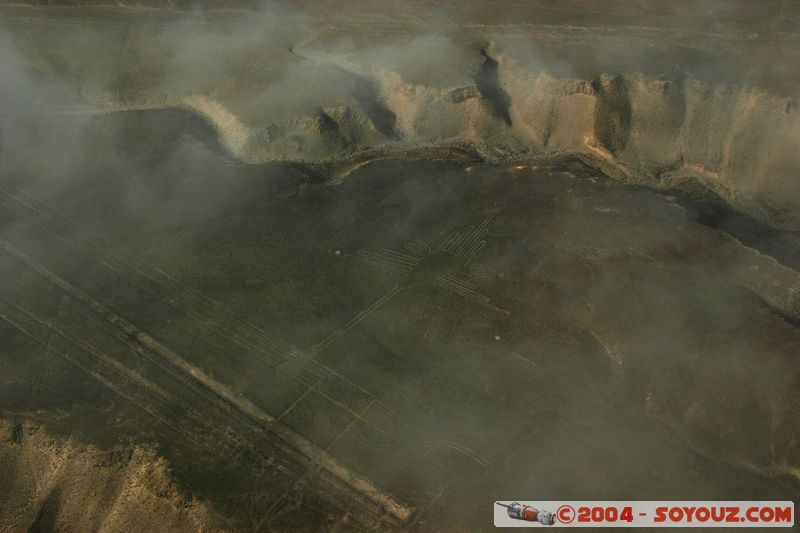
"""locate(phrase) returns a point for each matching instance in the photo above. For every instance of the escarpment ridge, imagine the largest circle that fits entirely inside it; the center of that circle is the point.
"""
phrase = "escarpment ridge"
(738, 142)
(667, 100)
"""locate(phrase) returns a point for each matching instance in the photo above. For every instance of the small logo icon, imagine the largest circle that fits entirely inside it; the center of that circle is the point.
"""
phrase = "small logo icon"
(518, 511)
(565, 514)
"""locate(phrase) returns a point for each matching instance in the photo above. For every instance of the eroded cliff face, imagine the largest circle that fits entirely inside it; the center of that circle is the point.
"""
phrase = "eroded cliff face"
(52, 484)
(285, 85)
(739, 142)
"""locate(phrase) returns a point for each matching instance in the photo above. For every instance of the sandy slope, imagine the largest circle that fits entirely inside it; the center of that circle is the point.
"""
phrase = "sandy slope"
(51, 485)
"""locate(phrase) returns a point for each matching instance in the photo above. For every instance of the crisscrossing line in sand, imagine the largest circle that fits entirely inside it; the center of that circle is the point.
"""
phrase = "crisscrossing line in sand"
(445, 267)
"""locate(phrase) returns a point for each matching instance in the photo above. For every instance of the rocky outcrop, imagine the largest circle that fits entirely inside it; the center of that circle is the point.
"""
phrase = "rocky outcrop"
(288, 89)
(49, 484)
(740, 143)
